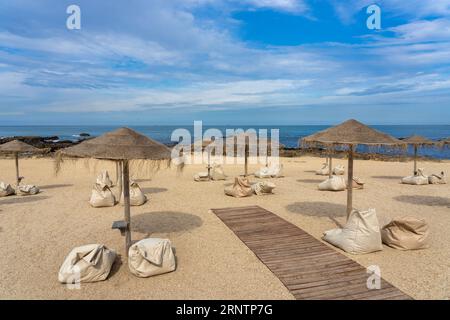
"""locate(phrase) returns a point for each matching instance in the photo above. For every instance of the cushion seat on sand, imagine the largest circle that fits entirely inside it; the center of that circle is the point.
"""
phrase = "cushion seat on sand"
(6, 189)
(137, 197)
(324, 171)
(217, 173)
(28, 190)
(201, 176)
(89, 263)
(274, 170)
(263, 188)
(406, 233)
(419, 179)
(437, 178)
(102, 196)
(241, 188)
(339, 170)
(150, 257)
(357, 183)
(360, 235)
(103, 179)
(335, 183)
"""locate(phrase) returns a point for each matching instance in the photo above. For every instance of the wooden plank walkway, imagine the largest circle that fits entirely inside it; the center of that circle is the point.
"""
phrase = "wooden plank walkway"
(307, 267)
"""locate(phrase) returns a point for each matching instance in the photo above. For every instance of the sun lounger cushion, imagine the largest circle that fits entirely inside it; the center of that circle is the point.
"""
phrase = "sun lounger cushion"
(101, 196)
(150, 257)
(357, 183)
(437, 178)
(335, 183)
(201, 176)
(324, 171)
(241, 188)
(217, 173)
(263, 188)
(360, 235)
(419, 179)
(89, 263)
(339, 170)
(274, 170)
(137, 197)
(103, 179)
(28, 190)
(406, 233)
(6, 189)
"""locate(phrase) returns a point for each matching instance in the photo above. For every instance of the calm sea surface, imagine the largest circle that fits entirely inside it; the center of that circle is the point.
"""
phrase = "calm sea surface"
(289, 135)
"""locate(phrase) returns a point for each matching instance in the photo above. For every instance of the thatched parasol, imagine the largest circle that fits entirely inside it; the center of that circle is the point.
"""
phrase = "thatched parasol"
(121, 145)
(350, 134)
(417, 141)
(16, 147)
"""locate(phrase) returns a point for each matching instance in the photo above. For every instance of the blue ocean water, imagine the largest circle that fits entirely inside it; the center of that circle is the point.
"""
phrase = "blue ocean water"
(289, 135)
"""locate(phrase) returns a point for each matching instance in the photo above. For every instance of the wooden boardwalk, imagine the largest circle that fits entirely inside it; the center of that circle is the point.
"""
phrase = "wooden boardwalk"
(307, 267)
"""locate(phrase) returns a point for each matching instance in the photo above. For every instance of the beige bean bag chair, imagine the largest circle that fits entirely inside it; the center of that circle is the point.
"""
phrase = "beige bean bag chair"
(335, 183)
(89, 263)
(274, 170)
(240, 189)
(324, 171)
(419, 179)
(102, 196)
(357, 183)
(201, 176)
(28, 190)
(137, 197)
(103, 179)
(150, 257)
(339, 170)
(217, 173)
(360, 235)
(263, 188)
(437, 178)
(406, 233)
(6, 189)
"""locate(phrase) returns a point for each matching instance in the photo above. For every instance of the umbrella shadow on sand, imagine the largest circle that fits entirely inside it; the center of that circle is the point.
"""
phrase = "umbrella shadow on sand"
(319, 209)
(164, 222)
(310, 180)
(388, 178)
(153, 190)
(432, 201)
(22, 199)
(56, 186)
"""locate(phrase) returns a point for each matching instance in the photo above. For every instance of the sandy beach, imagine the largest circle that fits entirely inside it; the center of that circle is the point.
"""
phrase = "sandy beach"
(37, 232)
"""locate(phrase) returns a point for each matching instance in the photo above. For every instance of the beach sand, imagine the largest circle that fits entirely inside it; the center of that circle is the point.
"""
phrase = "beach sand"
(37, 232)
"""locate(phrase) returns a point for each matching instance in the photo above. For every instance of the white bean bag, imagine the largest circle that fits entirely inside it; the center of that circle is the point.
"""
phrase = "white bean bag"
(103, 179)
(324, 171)
(137, 197)
(241, 188)
(335, 183)
(274, 170)
(406, 233)
(339, 170)
(264, 172)
(217, 173)
(263, 188)
(357, 183)
(89, 263)
(201, 176)
(419, 179)
(28, 190)
(437, 178)
(6, 189)
(102, 196)
(150, 257)
(360, 235)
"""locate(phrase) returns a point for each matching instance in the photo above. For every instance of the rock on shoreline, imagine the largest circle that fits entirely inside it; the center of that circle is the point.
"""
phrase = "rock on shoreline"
(52, 142)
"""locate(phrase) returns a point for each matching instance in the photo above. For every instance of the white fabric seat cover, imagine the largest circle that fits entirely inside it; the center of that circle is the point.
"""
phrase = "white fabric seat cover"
(339, 170)
(360, 235)
(6, 189)
(217, 173)
(27, 190)
(419, 179)
(101, 196)
(137, 197)
(274, 170)
(335, 183)
(437, 178)
(406, 233)
(357, 183)
(263, 188)
(324, 171)
(89, 263)
(150, 257)
(264, 172)
(241, 188)
(103, 179)
(201, 176)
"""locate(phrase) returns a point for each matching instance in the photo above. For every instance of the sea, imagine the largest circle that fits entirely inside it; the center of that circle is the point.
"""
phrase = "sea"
(288, 135)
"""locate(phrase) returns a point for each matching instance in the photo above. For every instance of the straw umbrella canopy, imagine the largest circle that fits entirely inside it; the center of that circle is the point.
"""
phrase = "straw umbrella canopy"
(349, 135)
(417, 141)
(121, 145)
(16, 147)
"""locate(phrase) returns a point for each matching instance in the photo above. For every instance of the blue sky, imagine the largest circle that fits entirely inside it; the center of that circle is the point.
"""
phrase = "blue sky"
(224, 62)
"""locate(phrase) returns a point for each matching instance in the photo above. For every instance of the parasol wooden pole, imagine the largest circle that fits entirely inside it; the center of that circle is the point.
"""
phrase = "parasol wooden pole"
(350, 181)
(209, 164)
(330, 168)
(246, 158)
(16, 157)
(126, 200)
(415, 159)
(119, 181)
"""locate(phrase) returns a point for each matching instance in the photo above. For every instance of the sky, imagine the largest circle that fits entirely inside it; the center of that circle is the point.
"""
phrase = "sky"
(287, 62)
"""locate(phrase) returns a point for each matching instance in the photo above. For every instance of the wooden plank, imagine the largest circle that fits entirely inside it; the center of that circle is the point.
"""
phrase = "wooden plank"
(307, 267)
